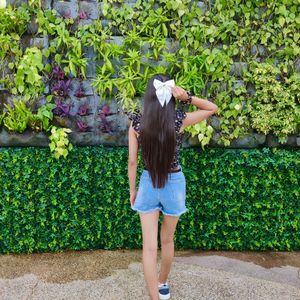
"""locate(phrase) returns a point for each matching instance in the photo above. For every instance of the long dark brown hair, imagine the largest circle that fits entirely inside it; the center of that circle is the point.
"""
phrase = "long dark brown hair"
(157, 132)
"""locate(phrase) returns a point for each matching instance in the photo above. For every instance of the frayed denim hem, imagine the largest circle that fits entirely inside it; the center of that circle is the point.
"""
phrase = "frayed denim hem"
(175, 215)
(146, 211)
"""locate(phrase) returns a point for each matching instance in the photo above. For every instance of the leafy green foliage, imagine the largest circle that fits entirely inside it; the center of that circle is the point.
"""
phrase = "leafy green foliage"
(209, 44)
(60, 143)
(202, 131)
(17, 117)
(14, 19)
(41, 120)
(13, 25)
(236, 199)
(273, 106)
(65, 45)
(28, 79)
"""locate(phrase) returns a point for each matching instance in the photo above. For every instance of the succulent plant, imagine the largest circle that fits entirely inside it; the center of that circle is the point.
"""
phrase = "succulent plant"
(80, 93)
(82, 15)
(83, 109)
(103, 113)
(61, 88)
(62, 110)
(83, 127)
(58, 73)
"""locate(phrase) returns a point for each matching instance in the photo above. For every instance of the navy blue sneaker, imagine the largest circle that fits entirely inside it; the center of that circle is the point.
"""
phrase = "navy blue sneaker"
(164, 291)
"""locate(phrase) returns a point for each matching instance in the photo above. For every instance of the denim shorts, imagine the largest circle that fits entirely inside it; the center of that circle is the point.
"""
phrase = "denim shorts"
(170, 199)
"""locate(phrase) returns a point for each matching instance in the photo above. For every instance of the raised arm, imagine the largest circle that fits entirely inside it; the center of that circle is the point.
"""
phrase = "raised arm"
(206, 108)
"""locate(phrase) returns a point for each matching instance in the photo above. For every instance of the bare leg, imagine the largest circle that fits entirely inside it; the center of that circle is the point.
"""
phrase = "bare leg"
(149, 223)
(167, 246)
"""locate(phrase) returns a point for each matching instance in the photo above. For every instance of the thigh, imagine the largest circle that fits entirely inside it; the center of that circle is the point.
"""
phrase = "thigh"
(149, 222)
(168, 228)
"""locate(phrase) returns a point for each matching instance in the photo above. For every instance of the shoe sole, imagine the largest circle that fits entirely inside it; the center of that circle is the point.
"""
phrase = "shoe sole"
(164, 297)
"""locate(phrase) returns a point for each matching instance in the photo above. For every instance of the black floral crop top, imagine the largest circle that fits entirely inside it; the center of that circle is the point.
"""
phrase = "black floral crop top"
(179, 116)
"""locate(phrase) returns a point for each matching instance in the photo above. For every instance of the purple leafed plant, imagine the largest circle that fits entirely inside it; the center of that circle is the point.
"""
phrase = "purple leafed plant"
(103, 113)
(83, 127)
(104, 109)
(62, 110)
(83, 109)
(82, 15)
(80, 93)
(61, 88)
(58, 73)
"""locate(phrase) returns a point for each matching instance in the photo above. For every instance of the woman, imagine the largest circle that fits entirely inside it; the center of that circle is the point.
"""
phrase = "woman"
(159, 132)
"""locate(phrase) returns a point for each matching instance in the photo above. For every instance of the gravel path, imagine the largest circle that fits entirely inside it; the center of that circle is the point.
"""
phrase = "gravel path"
(188, 280)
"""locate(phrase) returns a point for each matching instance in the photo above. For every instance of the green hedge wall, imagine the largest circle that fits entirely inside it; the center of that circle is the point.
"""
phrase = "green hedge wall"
(237, 199)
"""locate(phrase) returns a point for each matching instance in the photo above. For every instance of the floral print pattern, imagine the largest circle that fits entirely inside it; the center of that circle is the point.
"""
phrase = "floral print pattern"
(135, 117)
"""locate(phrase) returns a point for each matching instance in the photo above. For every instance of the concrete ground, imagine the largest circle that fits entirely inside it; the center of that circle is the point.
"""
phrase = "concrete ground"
(118, 275)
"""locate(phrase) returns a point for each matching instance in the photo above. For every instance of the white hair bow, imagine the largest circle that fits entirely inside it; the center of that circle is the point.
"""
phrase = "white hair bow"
(163, 90)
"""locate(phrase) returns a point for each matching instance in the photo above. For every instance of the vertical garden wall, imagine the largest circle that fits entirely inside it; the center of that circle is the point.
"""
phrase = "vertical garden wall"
(82, 65)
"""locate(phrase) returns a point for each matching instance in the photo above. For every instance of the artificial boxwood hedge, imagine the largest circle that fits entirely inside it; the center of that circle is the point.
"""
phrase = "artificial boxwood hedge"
(237, 199)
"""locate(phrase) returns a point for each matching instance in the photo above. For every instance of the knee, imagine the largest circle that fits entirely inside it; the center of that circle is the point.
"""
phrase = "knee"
(150, 247)
(166, 240)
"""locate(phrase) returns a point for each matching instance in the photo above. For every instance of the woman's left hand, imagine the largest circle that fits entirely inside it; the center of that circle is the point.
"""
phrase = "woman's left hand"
(132, 197)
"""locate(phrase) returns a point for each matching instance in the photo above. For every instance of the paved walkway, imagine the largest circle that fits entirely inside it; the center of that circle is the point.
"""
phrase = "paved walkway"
(118, 275)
